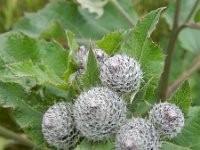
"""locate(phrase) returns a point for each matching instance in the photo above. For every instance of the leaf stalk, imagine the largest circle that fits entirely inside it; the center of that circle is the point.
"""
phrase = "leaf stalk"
(123, 12)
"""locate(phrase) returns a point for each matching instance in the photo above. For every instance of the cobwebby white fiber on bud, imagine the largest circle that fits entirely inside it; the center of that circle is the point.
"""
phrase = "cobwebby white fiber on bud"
(137, 134)
(121, 73)
(98, 113)
(82, 56)
(58, 126)
(167, 118)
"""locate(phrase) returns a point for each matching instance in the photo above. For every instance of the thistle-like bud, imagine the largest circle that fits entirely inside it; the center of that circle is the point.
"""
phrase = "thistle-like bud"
(121, 73)
(58, 126)
(167, 118)
(137, 134)
(82, 56)
(98, 113)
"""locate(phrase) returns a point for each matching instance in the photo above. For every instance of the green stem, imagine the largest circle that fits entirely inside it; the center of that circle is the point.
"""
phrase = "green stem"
(170, 48)
(11, 135)
(123, 12)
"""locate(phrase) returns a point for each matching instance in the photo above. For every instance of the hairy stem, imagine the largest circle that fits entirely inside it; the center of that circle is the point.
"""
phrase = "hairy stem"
(170, 49)
(194, 67)
(123, 12)
(11, 135)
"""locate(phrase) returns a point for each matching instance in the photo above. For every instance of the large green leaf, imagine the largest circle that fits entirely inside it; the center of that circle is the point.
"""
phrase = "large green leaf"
(137, 44)
(14, 96)
(15, 47)
(182, 97)
(24, 58)
(91, 76)
(190, 135)
(189, 38)
(39, 72)
(57, 16)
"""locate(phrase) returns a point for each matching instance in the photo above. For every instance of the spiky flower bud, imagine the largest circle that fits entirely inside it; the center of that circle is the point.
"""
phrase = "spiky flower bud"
(137, 134)
(121, 73)
(82, 56)
(167, 118)
(58, 126)
(98, 113)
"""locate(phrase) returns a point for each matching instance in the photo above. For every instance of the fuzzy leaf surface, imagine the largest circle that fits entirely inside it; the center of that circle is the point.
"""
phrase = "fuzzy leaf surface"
(24, 58)
(91, 76)
(190, 131)
(111, 42)
(40, 73)
(182, 98)
(13, 96)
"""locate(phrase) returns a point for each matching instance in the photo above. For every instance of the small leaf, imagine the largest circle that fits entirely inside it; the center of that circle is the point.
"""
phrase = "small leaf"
(182, 97)
(73, 47)
(111, 42)
(139, 98)
(171, 146)
(91, 75)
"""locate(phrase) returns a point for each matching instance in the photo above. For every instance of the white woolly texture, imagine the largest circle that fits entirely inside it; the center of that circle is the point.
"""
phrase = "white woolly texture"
(167, 118)
(137, 134)
(98, 113)
(121, 73)
(58, 126)
(82, 56)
